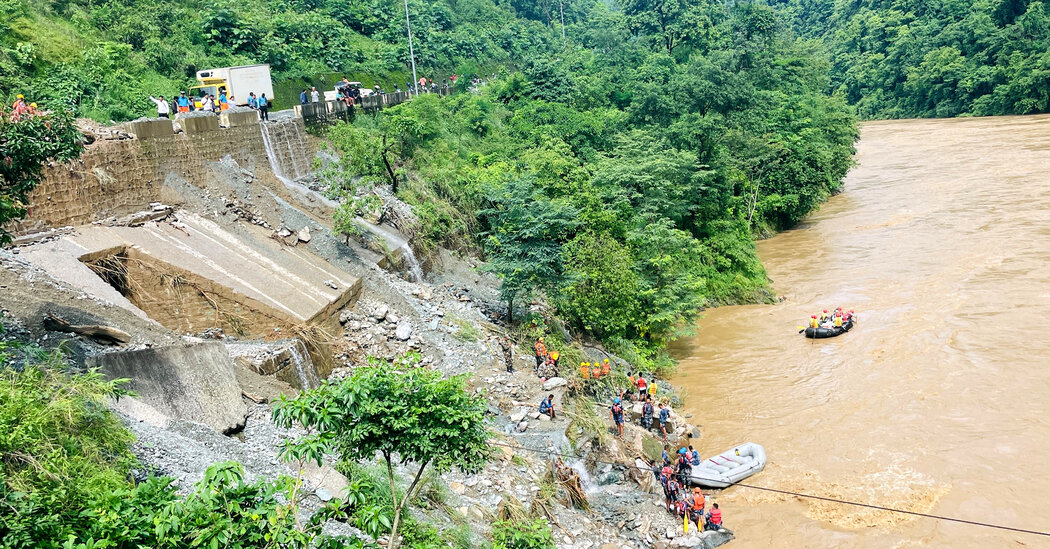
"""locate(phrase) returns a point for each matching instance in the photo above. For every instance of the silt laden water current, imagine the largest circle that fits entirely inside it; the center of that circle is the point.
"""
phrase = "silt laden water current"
(939, 399)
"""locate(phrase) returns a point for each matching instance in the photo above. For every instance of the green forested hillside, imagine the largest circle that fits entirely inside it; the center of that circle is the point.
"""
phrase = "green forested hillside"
(624, 176)
(911, 58)
(105, 57)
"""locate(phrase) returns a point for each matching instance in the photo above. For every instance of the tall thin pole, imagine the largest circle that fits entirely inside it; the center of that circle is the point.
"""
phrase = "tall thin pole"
(561, 4)
(411, 52)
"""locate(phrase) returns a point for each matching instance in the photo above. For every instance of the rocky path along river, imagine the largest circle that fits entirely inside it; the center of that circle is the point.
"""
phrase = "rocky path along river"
(938, 401)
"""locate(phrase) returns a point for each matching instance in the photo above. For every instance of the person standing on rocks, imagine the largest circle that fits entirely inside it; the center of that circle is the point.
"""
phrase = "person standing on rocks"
(696, 508)
(184, 103)
(617, 416)
(541, 350)
(508, 353)
(163, 110)
(641, 384)
(647, 414)
(665, 413)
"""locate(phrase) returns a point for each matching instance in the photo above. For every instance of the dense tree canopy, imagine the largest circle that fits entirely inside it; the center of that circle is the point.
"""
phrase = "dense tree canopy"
(897, 58)
(625, 176)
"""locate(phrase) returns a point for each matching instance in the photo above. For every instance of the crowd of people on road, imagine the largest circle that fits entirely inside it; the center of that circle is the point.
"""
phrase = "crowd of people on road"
(183, 104)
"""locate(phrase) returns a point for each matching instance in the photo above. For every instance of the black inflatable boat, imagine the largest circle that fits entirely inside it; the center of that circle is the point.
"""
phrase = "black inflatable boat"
(821, 333)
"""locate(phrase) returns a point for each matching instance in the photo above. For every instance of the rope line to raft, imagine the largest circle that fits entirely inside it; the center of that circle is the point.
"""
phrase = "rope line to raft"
(801, 495)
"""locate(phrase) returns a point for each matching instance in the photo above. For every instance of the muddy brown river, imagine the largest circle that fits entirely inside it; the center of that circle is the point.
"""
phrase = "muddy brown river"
(939, 399)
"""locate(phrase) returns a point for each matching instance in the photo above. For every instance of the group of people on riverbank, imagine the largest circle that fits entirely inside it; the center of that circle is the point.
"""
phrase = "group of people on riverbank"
(835, 319)
(678, 499)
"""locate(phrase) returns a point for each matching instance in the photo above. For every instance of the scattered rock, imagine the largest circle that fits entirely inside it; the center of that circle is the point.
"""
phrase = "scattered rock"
(553, 383)
(522, 426)
(517, 416)
(304, 234)
(380, 313)
(457, 488)
(331, 284)
(323, 495)
(404, 331)
(392, 318)
(535, 415)
(545, 417)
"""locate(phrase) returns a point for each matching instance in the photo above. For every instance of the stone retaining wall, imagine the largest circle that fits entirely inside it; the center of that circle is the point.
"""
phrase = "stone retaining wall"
(115, 178)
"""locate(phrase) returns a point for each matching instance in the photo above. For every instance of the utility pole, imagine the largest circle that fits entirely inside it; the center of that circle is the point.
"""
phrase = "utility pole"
(411, 52)
(561, 4)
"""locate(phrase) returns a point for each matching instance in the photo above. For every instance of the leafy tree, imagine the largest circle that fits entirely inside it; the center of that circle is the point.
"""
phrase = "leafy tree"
(24, 147)
(601, 296)
(397, 410)
(525, 229)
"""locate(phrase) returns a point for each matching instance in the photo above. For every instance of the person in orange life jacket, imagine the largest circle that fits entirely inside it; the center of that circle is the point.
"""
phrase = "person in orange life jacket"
(554, 356)
(813, 322)
(605, 367)
(617, 416)
(585, 370)
(696, 508)
(838, 320)
(713, 518)
(547, 406)
(541, 351)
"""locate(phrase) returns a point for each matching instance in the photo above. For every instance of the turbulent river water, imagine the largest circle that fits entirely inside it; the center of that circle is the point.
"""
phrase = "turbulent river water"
(939, 399)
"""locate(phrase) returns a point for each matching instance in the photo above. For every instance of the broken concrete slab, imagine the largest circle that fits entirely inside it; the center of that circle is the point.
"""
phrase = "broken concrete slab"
(195, 382)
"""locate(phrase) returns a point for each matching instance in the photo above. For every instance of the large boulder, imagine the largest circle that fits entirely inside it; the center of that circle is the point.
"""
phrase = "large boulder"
(195, 382)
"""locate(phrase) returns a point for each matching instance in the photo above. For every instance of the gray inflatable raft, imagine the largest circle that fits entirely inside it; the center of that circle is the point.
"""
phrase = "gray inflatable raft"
(729, 467)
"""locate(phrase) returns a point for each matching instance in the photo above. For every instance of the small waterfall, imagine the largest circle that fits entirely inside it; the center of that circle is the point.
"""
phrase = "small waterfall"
(275, 163)
(284, 137)
(588, 483)
(411, 263)
(304, 365)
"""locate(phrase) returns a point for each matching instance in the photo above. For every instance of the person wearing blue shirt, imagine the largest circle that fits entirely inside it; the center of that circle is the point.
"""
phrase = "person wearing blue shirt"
(264, 107)
(183, 103)
(694, 456)
(302, 97)
(547, 406)
(252, 101)
(665, 413)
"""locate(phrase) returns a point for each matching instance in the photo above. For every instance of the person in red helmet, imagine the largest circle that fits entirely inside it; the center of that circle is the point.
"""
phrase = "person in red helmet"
(824, 316)
(813, 322)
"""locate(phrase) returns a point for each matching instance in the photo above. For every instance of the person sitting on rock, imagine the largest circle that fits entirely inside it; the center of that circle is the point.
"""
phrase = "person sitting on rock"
(617, 416)
(547, 406)
(647, 414)
(713, 518)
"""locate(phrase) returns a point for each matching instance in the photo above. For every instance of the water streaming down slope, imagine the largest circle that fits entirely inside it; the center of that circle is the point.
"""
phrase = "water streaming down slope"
(286, 149)
(411, 263)
(304, 366)
(939, 399)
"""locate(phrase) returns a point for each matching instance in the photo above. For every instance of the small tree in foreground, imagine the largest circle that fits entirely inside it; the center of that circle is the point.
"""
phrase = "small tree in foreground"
(398, 410)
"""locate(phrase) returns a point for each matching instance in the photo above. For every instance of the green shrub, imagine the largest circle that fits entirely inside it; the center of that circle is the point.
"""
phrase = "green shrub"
(534, 534)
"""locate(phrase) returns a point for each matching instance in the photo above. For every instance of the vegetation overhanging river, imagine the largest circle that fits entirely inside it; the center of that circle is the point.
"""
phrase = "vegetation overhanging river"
(939, 400)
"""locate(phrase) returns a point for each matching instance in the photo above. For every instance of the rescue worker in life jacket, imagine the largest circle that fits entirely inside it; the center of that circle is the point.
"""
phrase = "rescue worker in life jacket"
(838, 320)
(813, 322)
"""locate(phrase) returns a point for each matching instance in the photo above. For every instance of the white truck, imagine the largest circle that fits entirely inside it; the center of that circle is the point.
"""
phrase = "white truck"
(238, 82)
